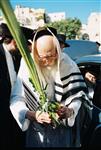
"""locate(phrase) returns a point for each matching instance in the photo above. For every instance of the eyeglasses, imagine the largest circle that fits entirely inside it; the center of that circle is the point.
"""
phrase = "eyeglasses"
(48, 57)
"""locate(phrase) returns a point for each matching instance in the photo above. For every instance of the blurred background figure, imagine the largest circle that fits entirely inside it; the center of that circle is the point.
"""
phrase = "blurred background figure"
(92, 78)
(91, 74)
(10, 133)
(62, 41)
(91, 82)
(28, 33)
(97, 94)
(99, 46)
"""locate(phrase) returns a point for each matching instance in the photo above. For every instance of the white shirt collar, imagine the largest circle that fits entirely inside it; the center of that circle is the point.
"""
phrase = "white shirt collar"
(10, 65)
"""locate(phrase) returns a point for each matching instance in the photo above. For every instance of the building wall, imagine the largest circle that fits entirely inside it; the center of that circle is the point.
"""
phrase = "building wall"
(93, 27)
(30, 17)
(57, 16)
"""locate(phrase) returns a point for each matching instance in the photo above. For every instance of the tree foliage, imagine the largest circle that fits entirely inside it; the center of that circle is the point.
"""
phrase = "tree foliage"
(70, 27)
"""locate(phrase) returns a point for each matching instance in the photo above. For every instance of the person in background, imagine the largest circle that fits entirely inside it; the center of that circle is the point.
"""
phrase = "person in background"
(99, 46)
(65, 85)
(28, 33)
(10, 133)
(97, 94)
(97, 88)
(90, 79)
(62, 41)
(91, 75)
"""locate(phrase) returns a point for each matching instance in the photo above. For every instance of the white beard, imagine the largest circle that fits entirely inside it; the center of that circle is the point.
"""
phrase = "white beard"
(49, 74)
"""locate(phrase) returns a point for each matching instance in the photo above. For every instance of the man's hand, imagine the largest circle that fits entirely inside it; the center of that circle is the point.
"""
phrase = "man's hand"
(65, 112)
(42, 117)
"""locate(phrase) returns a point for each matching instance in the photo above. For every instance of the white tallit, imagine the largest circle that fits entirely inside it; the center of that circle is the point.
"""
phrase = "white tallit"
(70, 88)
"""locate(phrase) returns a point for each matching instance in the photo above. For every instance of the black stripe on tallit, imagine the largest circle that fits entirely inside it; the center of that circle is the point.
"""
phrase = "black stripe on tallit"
(72, 74)
(30, 98)
(66, 77)
(73, 92)
(30, 95)
(65, 85)
(74, 81)
(31, 103)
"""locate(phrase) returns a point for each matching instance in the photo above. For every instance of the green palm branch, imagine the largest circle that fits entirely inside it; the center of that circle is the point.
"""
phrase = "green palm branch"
(16, 32)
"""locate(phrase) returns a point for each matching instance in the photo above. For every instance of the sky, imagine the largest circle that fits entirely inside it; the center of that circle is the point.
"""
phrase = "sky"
(80, 9)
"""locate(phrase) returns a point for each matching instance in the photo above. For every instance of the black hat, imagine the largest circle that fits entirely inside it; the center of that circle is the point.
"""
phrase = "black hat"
(98, 43)
(62, 39)
(95, 70)
(44, 31)
(28, 33)
(4, 31)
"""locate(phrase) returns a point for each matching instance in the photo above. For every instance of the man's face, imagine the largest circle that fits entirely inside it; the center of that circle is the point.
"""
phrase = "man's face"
(62, 45)
(46, 51)
(90, 77)
(13, 45)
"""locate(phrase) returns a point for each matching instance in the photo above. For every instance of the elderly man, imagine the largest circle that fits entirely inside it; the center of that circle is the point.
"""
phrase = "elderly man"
(62, 81)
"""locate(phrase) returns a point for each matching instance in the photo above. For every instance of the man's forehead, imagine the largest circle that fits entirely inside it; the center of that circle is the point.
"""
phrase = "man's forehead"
(45, 44)
(45, 38)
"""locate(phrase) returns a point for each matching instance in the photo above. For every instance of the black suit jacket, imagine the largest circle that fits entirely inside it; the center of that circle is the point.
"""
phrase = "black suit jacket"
(97, 94)
(10, 133)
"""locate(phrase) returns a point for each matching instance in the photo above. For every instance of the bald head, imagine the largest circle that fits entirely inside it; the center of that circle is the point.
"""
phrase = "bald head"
(45, 52)
(45, 45)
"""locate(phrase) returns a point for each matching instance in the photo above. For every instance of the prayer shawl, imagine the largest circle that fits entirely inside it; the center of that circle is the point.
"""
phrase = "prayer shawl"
(69, 83)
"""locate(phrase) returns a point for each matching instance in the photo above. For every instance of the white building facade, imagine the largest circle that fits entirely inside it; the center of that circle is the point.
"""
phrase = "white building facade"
(58, 16)
(93, 27)
(30, 17)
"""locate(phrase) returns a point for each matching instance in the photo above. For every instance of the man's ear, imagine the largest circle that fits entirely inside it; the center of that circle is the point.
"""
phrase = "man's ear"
(13, 41)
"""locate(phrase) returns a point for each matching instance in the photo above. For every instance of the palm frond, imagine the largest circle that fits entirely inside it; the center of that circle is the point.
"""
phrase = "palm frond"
(16, 32)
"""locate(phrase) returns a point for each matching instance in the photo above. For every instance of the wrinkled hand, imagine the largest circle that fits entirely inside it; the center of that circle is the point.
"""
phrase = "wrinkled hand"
(42, 117)
(65, 112)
